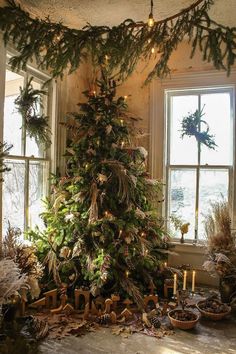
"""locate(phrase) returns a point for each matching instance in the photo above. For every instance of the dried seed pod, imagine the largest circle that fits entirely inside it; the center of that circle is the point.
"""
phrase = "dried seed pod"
(155, 322)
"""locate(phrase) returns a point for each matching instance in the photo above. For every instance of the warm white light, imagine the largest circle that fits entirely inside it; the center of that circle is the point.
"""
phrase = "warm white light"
(153, 50)
(151, 21)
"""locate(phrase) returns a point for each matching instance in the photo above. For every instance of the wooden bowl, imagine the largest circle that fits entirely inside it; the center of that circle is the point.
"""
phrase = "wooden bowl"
(183, 324)
(211, 315)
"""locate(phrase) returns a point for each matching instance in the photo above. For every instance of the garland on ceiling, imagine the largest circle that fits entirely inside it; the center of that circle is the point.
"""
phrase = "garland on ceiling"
(57, 47)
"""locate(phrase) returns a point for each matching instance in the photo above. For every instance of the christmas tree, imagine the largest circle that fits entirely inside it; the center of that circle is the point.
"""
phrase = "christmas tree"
(101, 228)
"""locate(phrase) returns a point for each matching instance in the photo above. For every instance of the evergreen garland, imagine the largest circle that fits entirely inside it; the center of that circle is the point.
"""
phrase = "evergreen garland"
(57, 47)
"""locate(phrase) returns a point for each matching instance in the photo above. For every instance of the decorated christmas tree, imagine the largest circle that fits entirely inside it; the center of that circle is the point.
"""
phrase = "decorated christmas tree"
(102, 228)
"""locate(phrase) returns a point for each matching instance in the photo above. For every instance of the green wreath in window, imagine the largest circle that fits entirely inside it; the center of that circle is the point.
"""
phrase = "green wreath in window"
(29, 103)
(191, 126)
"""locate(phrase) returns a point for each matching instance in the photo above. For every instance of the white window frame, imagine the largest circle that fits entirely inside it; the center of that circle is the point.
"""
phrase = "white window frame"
(159, 127)
(51, 110)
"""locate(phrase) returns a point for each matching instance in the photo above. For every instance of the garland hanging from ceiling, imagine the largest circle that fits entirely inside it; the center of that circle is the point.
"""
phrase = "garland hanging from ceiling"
(57, 47)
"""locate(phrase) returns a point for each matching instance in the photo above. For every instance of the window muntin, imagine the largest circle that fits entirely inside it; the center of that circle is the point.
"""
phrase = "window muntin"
(196, 175)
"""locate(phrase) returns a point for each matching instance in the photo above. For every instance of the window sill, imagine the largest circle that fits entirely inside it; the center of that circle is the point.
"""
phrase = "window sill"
(188, 247)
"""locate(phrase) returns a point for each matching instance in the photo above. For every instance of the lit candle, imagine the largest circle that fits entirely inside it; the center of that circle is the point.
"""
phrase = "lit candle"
(175, 284)
(193, 280)
(185, 280)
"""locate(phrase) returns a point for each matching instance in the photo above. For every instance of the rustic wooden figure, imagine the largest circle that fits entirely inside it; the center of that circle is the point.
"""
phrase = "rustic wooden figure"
(86, 312)
(38, 304)
(168, 284)
(127, 303)
(113, 317)
(126, 314)
(150, 299)
(51, 298)
(115, 299)
(79, 294)
(94, 310)
(108, 303)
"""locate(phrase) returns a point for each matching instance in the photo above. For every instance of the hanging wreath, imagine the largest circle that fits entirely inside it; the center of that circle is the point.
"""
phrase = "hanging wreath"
(192, 126)
(29, 103)
(57, 47)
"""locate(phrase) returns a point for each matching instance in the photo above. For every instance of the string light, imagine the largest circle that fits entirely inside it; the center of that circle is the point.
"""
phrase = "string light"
(153, 50)
(143, 234)
(86, 166)
(151, 21)
(125, 97)
(122, 144)
(127, 273)
(122, 122)
(120, 232)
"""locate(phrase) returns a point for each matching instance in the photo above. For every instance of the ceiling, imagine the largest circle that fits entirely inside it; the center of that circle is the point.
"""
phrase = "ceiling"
(76, 13)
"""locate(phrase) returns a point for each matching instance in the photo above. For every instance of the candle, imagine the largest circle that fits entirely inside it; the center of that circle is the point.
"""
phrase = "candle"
(175, 284)
(193, 280)
(185, 280)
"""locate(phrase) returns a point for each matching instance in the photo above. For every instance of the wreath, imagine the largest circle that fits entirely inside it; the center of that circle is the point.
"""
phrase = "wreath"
(191, 125)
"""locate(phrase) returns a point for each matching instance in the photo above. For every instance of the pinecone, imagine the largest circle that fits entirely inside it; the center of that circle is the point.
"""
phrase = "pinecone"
(104, 319)
(155, 322)
(129, 263)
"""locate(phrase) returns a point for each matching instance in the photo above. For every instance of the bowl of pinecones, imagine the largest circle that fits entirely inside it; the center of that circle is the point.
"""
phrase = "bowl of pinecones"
(183, 319)
(213, 309)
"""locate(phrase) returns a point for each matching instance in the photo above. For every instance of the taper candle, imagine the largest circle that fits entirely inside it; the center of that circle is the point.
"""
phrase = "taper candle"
(185, 280)
(175, 284)
(193, 280)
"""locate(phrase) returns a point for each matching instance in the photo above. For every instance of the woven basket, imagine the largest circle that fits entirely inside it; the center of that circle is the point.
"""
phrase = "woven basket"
(183, 324)
(211, 315)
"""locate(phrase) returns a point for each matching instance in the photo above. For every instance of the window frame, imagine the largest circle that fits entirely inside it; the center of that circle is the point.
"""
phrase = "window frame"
(198, 166)
(50, 154)
(188, 80)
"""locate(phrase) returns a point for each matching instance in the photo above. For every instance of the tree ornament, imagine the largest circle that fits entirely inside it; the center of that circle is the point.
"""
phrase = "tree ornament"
(126, 251)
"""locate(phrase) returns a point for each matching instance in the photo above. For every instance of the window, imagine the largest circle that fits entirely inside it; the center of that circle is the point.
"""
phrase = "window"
(26, 183)
(195, 174)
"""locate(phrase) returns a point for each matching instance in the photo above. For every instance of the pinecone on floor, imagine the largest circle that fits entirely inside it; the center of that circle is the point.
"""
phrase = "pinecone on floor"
(155, 322)
(104, 319)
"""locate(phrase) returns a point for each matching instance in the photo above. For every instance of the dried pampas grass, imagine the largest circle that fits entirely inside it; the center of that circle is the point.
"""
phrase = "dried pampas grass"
(218, 229)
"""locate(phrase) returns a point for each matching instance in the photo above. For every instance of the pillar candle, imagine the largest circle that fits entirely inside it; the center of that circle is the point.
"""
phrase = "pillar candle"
(193, 280)
(175, 284)
(185, 280)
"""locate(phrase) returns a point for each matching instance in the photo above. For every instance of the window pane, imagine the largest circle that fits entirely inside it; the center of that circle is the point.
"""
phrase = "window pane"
(218, 115)
(182, 151)
(13, 195)
(38, 178)
(12, 132)
(213, 186)
(182, 196)
(32, 149)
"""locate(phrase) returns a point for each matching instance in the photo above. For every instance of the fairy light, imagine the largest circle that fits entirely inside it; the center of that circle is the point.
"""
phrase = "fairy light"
(127, 273)
(86, 166)
(143, 234)
(125, 97)
(151, 21)
(122, 122)
(106, 213)
(153, 50)
(122, 144)
(120, 232)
